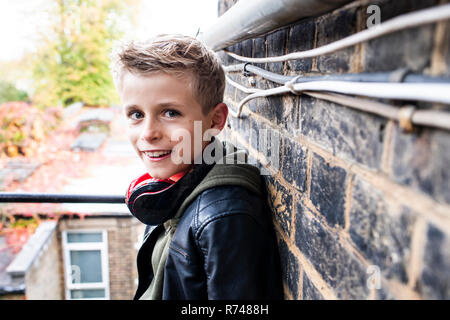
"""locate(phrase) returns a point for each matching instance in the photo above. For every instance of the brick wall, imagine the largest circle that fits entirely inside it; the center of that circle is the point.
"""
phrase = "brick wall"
(351, 193)
(122, 258)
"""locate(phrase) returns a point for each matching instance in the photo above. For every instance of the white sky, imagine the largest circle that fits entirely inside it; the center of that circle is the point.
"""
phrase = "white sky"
(20, 19)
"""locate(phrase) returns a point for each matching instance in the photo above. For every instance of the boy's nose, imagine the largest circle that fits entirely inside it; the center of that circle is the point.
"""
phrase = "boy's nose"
(151, 131)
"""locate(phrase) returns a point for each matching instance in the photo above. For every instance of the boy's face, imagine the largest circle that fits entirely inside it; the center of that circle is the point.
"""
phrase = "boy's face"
(156, 106)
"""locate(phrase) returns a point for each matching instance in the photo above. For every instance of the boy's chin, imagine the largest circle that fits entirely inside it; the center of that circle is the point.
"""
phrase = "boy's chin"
(163, 174)
(160, 175)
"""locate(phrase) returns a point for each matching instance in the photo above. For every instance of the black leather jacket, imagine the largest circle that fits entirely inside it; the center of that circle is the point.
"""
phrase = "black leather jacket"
(223, 248)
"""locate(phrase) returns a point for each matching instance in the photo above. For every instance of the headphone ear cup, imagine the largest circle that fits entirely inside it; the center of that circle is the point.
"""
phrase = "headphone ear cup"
(149, 203)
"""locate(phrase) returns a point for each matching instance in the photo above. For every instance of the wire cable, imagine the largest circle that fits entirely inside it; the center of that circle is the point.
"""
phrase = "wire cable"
(401, 75)
(401, 91)
(409, 20)
(240, 87)
(431, 118)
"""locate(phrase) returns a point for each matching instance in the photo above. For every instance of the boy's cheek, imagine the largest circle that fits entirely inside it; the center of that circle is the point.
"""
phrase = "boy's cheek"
(132, 135)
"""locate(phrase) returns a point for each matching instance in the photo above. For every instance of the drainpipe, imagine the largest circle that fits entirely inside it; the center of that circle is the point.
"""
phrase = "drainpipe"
(251, 18)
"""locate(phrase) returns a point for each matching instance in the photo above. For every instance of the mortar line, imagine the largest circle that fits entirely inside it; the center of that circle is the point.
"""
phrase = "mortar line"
(388, 145)
(401, 291)
(418, 240)
(300, 284)
(315, 277)
(314, 59)
(438, 65)
(287, 293)
(293, 217)
(308, 174)
(356, 60)
(348, 201)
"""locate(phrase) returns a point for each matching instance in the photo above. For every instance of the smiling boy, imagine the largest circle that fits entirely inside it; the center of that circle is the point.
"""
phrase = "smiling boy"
(209, 234)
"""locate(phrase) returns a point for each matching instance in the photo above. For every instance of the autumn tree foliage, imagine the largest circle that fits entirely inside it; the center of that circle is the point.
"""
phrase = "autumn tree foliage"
(23, 127)
(73, 64)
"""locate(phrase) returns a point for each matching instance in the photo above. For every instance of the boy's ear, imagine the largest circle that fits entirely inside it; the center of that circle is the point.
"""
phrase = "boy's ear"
(219, 116)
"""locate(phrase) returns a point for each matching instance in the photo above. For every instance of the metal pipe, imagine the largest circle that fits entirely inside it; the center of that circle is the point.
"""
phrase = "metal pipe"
(408, 20)
(31, 197)
(251, 18)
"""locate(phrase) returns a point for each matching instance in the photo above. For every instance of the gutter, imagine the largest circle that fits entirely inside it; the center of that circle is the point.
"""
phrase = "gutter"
(251, 18)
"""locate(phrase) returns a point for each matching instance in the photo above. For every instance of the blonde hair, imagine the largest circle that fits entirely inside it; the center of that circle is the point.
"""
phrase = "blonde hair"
(177, 55)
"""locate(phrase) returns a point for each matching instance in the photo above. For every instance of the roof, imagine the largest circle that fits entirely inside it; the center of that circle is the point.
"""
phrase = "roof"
(30, 251)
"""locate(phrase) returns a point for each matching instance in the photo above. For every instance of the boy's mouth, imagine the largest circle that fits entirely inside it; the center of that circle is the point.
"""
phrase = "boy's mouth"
(157, 155)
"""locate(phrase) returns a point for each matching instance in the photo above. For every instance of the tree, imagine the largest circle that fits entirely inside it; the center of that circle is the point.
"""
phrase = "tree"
(73, 63)
(8, 92)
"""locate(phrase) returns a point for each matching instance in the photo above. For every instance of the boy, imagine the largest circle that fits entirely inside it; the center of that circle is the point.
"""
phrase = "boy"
(209, 234)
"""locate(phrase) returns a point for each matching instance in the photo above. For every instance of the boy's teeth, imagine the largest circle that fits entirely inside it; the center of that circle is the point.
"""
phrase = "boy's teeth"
(157, 153)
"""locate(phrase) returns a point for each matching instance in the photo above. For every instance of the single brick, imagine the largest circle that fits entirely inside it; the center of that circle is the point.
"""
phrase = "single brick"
(230, 90)
(244, 128)
(412, 47)
(270, 107)
(421, 161)
(412, 51)
(328, 190)
(391, 9)
(270, 144)
(290, 116)
(276, 46)
(310, 292)
(347, 133)
(381, 230)
(434, 282)
(333, 27)
(301, 38)
(294, 163)
(225, 58)
(280, 200)
(338, 267)
(239, 78)
(289, 269)
(255, 132)
(259, 50)
(247, 47)
(235, 48)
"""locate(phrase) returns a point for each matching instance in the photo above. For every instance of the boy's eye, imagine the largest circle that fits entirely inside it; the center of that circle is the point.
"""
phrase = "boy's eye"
(135, 115)
(171, 113)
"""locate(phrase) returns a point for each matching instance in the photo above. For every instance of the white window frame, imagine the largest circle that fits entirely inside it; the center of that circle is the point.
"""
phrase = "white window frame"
(80, 246)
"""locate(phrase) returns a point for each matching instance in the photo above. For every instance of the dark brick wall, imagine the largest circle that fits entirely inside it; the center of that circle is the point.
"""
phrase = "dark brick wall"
(361, 208)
